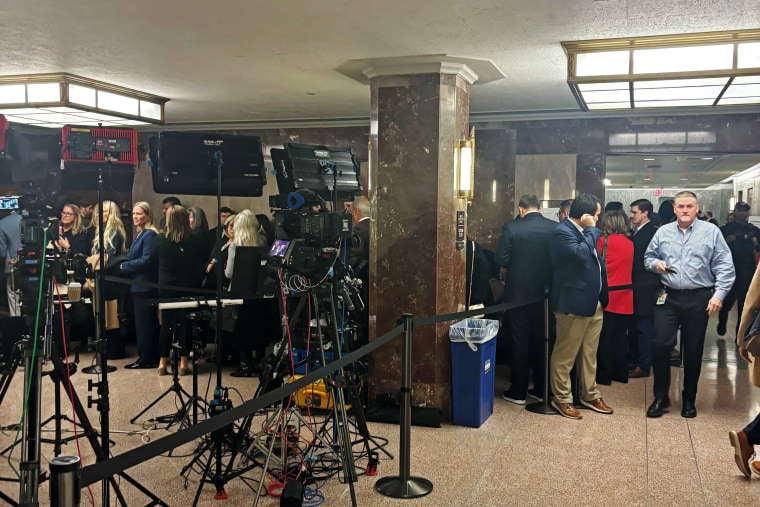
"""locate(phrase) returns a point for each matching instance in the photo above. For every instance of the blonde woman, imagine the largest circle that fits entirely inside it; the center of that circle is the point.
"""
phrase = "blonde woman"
(139, 268)
(218, 257)
(114, 237)
(249, 332)
(179, 257)
(114, 234)
(73, 237)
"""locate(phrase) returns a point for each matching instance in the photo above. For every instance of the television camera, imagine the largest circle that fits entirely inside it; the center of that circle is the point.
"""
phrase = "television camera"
(39, 227)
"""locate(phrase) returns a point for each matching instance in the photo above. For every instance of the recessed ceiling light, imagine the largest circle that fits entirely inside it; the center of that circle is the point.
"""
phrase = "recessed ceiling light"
(708, 158)
(650, 159)
(684, 179)
(647, 179)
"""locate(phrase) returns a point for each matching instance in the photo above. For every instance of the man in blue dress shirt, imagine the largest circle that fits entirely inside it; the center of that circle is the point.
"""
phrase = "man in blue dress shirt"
(696, 269)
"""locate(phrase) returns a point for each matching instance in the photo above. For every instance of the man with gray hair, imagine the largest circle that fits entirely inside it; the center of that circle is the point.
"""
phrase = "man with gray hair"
(695, 267)
(358, 258)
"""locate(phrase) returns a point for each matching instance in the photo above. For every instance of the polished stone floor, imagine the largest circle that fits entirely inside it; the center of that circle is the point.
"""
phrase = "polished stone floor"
(515, 458)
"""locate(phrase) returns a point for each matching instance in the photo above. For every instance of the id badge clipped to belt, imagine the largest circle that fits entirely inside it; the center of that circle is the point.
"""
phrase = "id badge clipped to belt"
(661, 297)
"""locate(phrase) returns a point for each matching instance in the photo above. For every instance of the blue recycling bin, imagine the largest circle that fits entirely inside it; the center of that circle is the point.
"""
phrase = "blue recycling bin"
(473, 359)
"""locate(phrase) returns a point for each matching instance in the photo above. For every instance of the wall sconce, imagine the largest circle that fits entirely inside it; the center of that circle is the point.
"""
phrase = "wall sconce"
(466, 167)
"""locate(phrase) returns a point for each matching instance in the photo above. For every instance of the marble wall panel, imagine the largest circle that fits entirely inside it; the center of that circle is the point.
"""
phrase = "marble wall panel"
(493, 201)
(549, 177)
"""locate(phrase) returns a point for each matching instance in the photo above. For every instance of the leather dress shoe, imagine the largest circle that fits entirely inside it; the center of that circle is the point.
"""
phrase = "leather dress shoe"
(755, 467)
(567, 410)
(658, 406)
(688, 409)
(638, 373)
(743, 452)
(597, 405)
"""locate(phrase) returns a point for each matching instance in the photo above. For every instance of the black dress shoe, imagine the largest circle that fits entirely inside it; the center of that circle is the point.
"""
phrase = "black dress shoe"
(688, 409)
(657, 408)
(141, 366)
(133, 366)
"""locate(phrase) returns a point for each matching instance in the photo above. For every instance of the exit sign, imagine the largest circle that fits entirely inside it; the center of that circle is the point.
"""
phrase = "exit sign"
(657, 191)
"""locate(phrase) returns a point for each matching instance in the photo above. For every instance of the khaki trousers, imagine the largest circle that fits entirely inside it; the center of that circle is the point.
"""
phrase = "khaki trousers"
(577, 341)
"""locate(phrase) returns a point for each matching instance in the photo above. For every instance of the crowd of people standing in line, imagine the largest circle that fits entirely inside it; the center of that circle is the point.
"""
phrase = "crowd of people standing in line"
(621, 287)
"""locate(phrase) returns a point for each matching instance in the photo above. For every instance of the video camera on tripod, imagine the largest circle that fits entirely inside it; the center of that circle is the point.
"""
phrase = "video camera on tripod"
(39, 227)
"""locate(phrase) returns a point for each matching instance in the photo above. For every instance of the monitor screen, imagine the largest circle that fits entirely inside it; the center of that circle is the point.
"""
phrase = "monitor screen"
(279, 248)
(8, 203)
(185, 163)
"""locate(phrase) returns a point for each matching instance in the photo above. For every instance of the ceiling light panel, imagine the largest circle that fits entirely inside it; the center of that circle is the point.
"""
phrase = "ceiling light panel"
(749, 55)
(683, 59)
(43, 92)
(603, 63)
(687, 92)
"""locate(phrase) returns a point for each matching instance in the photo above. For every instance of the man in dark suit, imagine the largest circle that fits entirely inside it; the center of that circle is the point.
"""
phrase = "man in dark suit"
(579, 294)
(646, 285)
(523, 253)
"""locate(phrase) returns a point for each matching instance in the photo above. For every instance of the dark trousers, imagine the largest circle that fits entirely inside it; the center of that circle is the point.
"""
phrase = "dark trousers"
(146, 327)
(612, 354)
(173, 329)
(753, 431)
(737, 294)
(526, 325)
(645, 330)
(687, 309)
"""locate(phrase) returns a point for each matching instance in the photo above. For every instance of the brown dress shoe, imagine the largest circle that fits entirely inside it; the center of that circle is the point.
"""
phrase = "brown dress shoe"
(597, 405)
(638, 373)
(755, 466)
(567, 410)
(743, 452)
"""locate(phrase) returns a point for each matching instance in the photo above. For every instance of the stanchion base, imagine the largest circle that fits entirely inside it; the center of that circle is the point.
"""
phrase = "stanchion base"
(540, 408)
(395, 487)
(97, 369)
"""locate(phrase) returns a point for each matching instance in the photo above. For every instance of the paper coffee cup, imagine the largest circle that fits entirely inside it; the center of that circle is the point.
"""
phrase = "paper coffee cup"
(75, 291)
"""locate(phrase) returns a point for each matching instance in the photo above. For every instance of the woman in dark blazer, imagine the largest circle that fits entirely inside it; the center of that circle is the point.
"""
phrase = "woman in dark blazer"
(180, 258)
(140, 269)
(617, 252)
(74, 238)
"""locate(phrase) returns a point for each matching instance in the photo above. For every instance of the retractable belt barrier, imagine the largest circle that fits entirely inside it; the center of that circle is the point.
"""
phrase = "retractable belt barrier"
(104, 469)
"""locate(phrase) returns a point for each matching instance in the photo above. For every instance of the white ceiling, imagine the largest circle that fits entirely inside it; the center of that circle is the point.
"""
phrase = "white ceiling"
(248, 60)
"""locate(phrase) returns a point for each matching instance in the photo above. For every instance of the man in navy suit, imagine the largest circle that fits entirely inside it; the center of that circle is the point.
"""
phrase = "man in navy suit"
(578, 296)
(524, 254)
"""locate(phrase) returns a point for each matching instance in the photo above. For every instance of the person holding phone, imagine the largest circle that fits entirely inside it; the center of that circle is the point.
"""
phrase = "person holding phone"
(696, 270)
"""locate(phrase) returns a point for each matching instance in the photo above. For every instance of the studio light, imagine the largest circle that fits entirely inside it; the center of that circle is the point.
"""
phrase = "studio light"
(687, 70)
(55, 100)
(466, 167)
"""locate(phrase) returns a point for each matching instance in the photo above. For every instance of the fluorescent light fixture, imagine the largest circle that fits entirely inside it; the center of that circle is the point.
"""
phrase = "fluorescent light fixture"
(684, 179)
(708, 158)
(53, 100)
(650, 159)
(465, 168)
(607, 182)
(670, 71)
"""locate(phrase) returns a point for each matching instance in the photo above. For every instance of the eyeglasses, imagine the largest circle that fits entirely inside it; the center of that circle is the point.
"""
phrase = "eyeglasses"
(66, 214)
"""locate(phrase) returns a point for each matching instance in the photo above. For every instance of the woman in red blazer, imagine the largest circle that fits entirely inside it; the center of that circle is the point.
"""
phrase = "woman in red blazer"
(617, 251)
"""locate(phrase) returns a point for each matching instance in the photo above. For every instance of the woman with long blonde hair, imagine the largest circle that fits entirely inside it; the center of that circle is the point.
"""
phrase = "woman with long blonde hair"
(248, 232)
(114, 234)
(179, 257)
(139, 267)
(114, 237)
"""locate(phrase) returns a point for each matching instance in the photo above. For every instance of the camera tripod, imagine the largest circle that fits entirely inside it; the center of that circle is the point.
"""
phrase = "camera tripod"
(182, 415)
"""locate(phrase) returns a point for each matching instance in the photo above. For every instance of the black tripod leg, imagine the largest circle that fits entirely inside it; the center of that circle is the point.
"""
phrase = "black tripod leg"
(170, 390)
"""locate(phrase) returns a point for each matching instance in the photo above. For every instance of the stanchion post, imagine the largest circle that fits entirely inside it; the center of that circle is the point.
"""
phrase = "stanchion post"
(405, 486)
(64, 481)
(544, 407)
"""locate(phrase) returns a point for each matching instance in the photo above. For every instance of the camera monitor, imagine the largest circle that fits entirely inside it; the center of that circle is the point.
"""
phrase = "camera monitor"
(184, 163)
(321, 169)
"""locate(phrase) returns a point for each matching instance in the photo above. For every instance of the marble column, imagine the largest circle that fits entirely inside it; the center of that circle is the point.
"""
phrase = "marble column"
(416, 122)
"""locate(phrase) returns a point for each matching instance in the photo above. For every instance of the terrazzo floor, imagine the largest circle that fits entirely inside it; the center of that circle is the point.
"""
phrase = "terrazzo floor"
(515, 458)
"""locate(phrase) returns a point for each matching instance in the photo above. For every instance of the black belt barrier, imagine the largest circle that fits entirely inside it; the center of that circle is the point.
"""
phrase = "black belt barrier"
(104, 469)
